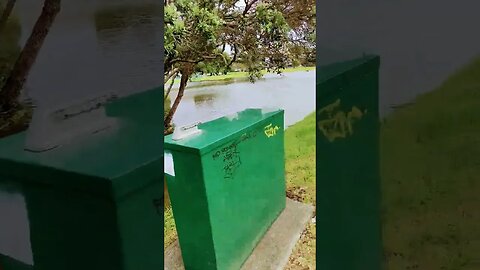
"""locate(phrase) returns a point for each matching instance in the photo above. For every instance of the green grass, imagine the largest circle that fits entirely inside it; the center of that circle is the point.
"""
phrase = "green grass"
(240, 75)
(430, 160)
(300, 177)
(170, 233)
(301, 185)
(300, 160)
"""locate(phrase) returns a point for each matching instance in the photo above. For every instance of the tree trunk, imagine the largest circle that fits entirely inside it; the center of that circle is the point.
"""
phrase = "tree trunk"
(170, 86)
(14, 84)
(181, 90)
(6, 14)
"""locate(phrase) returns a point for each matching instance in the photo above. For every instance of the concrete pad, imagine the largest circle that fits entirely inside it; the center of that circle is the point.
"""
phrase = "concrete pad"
(273, 251)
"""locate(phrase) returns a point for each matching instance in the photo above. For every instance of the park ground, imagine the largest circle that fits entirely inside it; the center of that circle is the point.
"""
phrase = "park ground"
(430, 160)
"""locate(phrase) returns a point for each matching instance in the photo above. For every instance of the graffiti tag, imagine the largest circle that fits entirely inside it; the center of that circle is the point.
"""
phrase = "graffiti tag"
(230, 155)
(338, 124)
(271, 130)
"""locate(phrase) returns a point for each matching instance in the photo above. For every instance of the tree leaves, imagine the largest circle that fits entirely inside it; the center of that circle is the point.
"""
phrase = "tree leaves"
(258, 33)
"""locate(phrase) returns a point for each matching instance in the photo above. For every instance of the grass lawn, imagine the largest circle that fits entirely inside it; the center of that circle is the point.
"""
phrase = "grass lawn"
(430, 160)
(240, 75)
(300, 176)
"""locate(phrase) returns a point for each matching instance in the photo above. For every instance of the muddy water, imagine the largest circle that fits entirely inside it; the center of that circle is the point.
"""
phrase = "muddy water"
(95, 47)
(293, 92)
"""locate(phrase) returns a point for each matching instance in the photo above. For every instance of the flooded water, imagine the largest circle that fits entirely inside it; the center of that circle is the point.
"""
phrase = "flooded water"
(94, 47)
(420, 43)
(95, 50)
(293, 92)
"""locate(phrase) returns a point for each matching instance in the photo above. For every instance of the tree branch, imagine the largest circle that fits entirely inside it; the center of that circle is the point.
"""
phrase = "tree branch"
(170, 74)
(248, 6)
(171, 85)
(6, 14)
(186, 72)
(203, 58)
(235, 54)
(25, 61)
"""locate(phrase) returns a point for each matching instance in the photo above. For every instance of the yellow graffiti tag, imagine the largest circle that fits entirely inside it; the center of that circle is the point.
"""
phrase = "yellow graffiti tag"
(271, 130)
(339, 124)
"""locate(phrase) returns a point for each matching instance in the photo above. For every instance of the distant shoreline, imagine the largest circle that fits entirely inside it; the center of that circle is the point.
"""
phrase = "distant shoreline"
(240, 75)
(231, 77)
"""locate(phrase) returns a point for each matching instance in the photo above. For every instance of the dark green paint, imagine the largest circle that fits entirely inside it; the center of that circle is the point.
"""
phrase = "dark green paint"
(221, 214)
(348, 206)
(10, 263)
(91, 204)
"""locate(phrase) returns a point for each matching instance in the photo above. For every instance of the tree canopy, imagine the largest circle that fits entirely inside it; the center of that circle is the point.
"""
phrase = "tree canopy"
(209, 36)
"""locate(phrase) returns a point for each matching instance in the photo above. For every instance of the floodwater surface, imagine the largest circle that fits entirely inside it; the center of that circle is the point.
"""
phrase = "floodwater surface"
(294, 92)
(421, 43)
(94, 47)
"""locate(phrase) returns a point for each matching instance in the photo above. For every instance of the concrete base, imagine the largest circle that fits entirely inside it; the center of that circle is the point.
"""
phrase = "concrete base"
(273, 251)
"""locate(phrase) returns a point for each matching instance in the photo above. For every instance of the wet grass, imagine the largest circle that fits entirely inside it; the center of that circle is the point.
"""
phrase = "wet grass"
(300, 160)
(170, 233)
(235, 76)
(430, 160)
(301, 185)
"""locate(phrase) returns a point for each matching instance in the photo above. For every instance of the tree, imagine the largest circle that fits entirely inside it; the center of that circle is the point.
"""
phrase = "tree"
(258, 33)
(9, 46)
(6, 14)
(12, 88)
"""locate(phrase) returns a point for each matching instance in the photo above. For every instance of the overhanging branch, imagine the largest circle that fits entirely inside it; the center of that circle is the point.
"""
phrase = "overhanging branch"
(203, 58)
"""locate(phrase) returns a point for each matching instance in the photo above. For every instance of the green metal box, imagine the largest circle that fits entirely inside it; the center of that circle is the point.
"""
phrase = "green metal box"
(91, 204)
(348, 181)
(227, 187)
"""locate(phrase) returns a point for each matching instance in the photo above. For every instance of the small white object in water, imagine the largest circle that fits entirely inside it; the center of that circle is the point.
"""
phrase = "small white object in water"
(185, 132)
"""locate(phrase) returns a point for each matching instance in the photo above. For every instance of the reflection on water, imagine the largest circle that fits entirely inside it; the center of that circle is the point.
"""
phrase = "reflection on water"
(293, 92)
(417, 54)
(95, 49)
(9, 45)
(205, 99)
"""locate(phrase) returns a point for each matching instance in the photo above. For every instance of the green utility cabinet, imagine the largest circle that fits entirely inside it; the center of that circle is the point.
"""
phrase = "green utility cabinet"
(95, 203)
(227, 187)
(348, 181)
